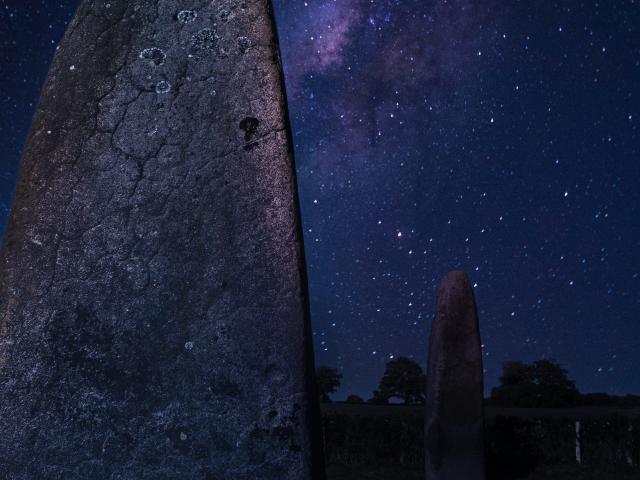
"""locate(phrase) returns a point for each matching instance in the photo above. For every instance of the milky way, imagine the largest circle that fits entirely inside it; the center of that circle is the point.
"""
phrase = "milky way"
(441, 135)
(495, 137)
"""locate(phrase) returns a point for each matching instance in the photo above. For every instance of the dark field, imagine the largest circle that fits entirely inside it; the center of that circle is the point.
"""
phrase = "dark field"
(380, 442)
(342, 472)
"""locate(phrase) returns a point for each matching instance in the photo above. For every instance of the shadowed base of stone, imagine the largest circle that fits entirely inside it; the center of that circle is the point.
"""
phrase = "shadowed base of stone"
(345, 472)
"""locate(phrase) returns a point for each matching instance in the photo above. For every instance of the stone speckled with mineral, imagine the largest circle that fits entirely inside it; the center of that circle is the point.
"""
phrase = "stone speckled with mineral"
(454, 425)
(153, 318)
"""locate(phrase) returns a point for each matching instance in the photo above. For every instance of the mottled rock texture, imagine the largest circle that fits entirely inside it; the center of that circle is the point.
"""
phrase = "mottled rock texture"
(454, 421)
(153, 313)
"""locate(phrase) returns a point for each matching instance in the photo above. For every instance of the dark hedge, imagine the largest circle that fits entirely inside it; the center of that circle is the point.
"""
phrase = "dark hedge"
(379, 442)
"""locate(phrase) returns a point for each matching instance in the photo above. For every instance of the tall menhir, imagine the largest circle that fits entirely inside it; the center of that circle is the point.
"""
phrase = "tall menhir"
(153, 312)
(454, 426)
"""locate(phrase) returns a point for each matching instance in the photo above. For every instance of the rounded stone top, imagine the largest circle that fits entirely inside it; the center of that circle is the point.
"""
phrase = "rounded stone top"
(454, 283)
(453, 277)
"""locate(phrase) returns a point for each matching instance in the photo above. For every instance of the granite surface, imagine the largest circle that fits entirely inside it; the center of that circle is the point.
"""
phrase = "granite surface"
(153, 311)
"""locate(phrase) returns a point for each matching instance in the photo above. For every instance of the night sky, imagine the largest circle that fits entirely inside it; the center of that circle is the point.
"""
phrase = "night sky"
(496, 137)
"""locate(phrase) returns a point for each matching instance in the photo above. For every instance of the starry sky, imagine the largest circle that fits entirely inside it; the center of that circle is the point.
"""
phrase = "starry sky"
(496, 137)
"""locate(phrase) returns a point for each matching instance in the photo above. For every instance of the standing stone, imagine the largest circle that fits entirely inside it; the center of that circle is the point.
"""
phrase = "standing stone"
(454, 424)
(153, 311)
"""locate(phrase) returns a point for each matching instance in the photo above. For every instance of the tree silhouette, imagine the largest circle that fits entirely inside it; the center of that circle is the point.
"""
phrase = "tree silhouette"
(354, 399)
(328, 380)
(541, 384)
(403, 379)
(378, 399)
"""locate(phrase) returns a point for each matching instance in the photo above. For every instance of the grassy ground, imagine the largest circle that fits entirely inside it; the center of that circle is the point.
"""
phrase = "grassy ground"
(341, 472)
(574, 472)
(520, 441)
(558, 472)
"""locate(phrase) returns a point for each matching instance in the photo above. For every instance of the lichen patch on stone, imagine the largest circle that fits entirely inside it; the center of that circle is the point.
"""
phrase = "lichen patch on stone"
(163, 87)
(203, 40)
(187, 16)
(244, 44)
(155, 55)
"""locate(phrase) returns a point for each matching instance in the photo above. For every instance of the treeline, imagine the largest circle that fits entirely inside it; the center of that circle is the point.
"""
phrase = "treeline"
(403, 381)
(545, 384)
(541, 384)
